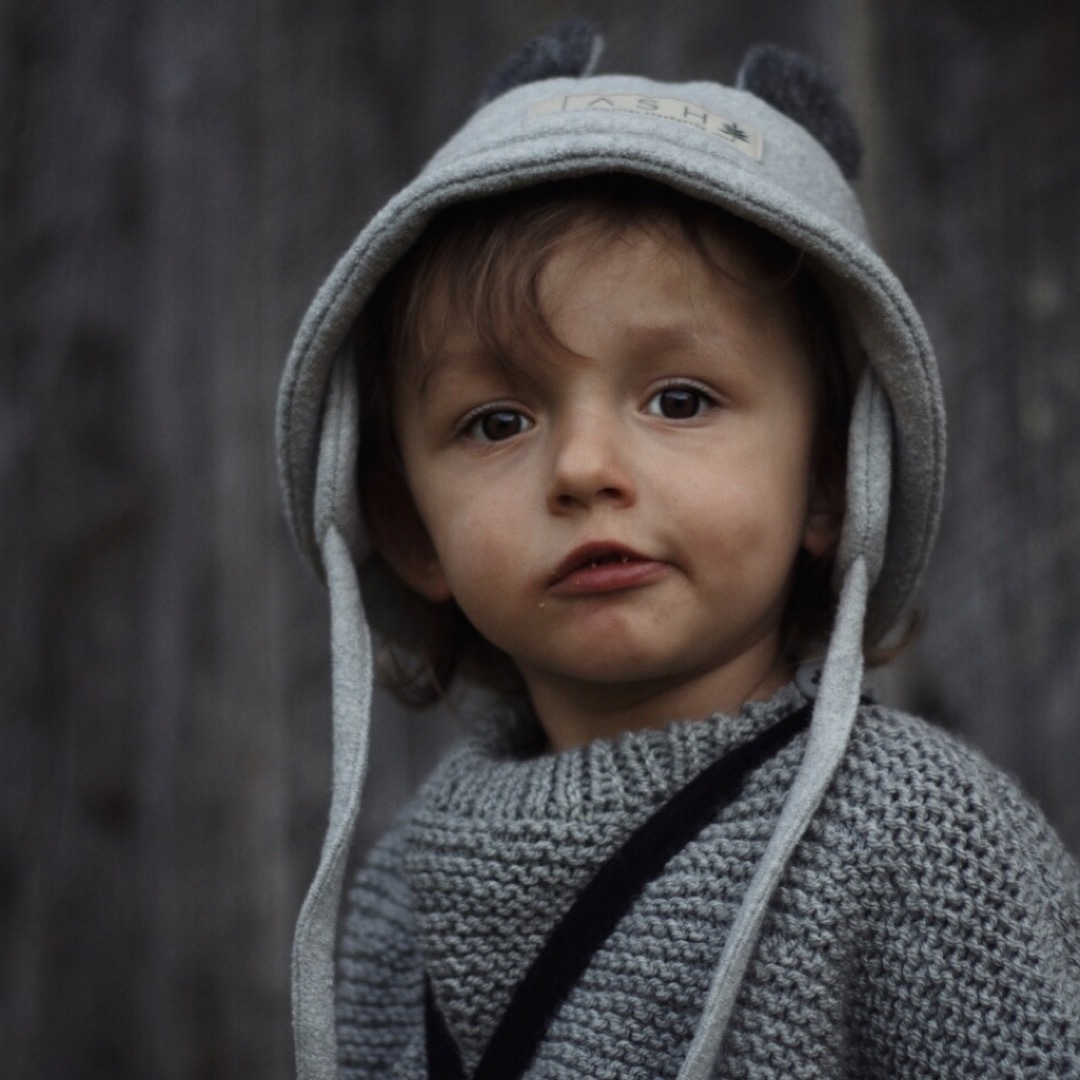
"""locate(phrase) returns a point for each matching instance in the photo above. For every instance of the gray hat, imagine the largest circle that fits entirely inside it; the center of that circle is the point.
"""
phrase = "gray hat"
(726, 146)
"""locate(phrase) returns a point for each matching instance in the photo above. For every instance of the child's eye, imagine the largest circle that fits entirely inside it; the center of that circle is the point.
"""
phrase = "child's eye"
(496, 425)
(678, 403)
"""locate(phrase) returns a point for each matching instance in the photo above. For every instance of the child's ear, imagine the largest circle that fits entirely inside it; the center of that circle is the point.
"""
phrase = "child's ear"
(402, 538)
(824, 517)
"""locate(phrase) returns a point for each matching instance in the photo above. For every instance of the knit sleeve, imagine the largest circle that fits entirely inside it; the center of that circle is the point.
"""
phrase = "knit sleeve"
(969, 963)
(380, 973)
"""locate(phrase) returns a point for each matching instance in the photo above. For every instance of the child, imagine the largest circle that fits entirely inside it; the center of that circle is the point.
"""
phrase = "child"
(615, 410)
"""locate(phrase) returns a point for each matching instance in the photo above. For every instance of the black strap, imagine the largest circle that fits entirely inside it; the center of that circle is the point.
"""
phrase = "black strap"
(443, 1056)
(598, 908)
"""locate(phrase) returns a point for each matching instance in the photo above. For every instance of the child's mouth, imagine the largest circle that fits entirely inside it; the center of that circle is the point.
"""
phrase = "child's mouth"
(596, 568)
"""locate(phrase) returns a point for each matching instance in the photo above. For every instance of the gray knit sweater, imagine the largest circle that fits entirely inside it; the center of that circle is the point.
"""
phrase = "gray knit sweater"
(927, 926)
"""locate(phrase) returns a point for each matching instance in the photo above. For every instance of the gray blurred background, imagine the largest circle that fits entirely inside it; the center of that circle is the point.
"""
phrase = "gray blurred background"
(176, 177)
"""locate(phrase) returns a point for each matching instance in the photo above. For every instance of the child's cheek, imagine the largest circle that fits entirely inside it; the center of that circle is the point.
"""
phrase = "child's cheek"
(479, 554)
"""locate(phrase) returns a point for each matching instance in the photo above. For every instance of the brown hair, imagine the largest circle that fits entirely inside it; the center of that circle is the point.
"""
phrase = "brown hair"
(478, 264)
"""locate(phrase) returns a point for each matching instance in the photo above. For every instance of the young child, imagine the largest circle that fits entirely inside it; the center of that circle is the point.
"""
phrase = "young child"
(615, 410)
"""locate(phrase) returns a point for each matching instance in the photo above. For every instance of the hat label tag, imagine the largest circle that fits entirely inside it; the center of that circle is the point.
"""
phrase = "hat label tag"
(742, 137)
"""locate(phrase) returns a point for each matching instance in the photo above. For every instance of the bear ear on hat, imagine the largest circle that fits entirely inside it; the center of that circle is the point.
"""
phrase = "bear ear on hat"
(569, 48)
(800, 89)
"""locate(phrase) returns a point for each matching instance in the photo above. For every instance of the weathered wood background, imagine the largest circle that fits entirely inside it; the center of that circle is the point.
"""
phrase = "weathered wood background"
(175, 179)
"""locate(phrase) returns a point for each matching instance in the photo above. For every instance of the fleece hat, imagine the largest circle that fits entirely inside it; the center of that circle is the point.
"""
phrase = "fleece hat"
(777, 149)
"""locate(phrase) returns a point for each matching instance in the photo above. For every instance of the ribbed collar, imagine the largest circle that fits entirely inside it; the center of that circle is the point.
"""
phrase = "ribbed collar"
(490, 778)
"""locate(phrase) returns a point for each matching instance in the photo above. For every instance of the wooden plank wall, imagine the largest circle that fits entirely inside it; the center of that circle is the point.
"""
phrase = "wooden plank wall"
(980, 203)
(175, 180)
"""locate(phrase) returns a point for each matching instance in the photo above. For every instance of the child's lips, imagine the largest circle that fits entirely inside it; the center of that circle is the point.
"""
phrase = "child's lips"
(603, 567)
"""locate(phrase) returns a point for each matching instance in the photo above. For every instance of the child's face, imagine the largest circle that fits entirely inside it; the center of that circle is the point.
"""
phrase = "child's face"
(621, 509)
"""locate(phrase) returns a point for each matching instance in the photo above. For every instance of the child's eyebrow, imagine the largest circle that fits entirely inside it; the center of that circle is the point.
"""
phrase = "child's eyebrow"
(521, 368)
(673, 335)
(679, 336)
(473, 361)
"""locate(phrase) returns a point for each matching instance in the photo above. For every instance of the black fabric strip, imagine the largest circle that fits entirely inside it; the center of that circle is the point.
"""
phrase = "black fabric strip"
(612, 891)
(443, 1056)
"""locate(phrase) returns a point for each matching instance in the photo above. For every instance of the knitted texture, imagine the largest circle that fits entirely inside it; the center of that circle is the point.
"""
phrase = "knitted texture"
(927, 926)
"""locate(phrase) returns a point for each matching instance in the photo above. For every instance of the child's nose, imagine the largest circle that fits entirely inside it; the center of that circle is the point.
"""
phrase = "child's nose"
(591, 464)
